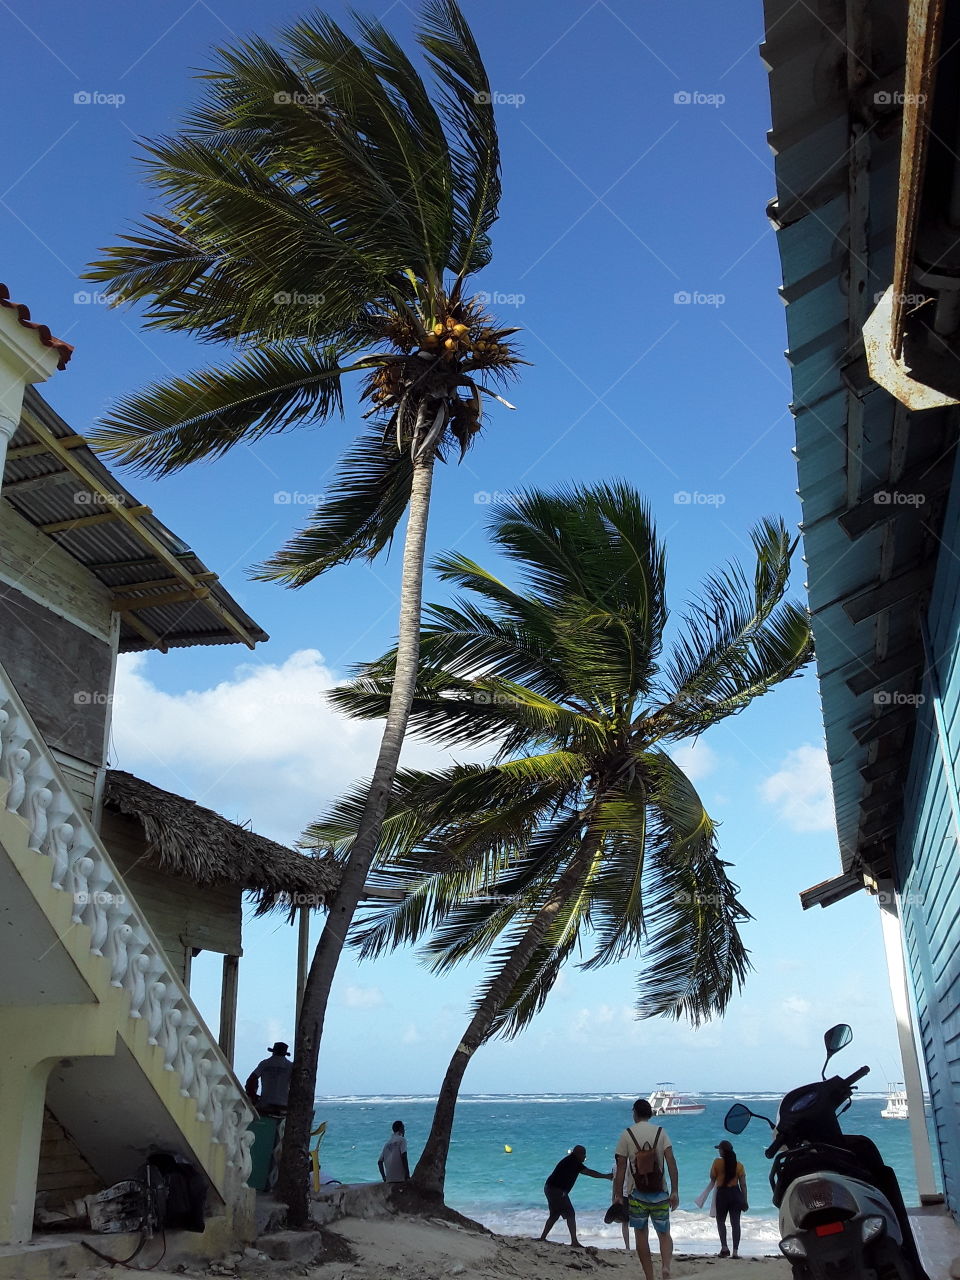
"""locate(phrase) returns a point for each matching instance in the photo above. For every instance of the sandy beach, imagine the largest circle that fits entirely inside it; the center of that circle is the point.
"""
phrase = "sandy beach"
(409, 1248)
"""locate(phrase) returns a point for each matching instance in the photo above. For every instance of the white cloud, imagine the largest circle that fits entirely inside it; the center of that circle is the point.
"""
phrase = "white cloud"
(262, 745)
(362, 998)
(800, 790)
(696, 759)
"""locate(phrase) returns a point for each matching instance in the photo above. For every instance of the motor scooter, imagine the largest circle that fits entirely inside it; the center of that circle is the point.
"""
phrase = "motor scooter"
(842, 1215)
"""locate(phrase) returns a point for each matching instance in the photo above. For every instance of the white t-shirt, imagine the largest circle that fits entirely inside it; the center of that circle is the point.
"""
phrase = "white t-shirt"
(394, 1149)
(645, 1133)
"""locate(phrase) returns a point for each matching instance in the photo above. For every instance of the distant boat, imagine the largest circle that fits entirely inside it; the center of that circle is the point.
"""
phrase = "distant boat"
(896, 1108)
(666, 1101)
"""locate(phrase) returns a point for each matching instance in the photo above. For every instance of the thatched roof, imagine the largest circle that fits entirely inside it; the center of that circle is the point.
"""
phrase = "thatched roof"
(188, 840)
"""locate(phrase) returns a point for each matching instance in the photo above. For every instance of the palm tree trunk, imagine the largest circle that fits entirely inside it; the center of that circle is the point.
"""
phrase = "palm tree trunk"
(430, 1174)
(294, 1164)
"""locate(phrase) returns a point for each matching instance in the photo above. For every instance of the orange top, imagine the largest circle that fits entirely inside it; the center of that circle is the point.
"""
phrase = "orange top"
(719, 1176)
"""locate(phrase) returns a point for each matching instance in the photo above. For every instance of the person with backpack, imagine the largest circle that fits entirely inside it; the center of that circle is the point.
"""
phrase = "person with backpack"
(641, 1154)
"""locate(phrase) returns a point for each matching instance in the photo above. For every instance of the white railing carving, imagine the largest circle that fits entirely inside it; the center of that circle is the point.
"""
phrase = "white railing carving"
(80, 865)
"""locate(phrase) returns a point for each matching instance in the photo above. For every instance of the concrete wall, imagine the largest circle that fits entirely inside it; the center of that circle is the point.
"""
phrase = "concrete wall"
(928, 864)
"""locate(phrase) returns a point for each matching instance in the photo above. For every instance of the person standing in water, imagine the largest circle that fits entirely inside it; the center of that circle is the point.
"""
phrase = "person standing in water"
(728, 1176)
(557, 1189)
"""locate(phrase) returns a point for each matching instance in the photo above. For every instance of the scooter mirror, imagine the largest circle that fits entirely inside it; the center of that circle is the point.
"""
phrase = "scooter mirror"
(837, 1038)
(737, 1118)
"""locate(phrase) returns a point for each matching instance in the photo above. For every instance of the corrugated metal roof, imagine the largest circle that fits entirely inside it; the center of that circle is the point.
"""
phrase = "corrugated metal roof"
(833, 70)
(60, 486)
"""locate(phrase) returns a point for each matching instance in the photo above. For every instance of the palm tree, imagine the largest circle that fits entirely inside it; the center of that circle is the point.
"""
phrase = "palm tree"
(324, 210)
(583, 823)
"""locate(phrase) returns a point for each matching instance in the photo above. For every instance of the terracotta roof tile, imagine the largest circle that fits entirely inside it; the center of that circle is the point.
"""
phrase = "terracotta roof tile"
(64, 349)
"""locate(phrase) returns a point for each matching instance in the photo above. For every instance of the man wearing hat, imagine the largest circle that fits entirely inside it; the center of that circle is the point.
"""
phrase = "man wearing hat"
(272, 1075)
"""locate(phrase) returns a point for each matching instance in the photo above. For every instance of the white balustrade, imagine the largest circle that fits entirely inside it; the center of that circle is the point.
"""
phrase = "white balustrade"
(246, 1155)
(58, 847)
(58, 829)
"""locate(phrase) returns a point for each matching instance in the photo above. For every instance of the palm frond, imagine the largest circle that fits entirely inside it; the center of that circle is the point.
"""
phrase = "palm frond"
(467, 107)
(202, 415)
(370, 494)
(739, 640)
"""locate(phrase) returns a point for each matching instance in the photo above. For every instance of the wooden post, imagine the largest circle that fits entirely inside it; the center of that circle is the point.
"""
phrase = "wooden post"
(303, 955)
(228, 1007)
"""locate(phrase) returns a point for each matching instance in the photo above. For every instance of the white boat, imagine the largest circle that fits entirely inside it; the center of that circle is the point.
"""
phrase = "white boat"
(896, 1108)
(666, 1101)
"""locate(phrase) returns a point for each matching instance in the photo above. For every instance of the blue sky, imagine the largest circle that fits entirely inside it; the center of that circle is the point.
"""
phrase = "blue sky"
(634, 251)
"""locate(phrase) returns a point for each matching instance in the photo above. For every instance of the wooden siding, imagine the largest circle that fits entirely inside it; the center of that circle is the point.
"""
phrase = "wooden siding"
(62, 672)
(63, 1173)
(928, 864)
(32, 561)
(183, 915)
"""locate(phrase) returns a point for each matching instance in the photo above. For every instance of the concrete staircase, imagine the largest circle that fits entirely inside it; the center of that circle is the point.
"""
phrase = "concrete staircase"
(94, 1021)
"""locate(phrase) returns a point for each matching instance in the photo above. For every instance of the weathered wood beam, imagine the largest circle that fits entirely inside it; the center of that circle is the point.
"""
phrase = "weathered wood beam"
(34, 450)
(900, 587)
(889, 722)
(903, 662)
(920, 484)
(161, 583)
(147, 632)
(159, 598)
(85, 522)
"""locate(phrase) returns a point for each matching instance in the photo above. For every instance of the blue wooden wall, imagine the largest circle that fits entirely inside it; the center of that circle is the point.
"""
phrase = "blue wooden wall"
(928, 863)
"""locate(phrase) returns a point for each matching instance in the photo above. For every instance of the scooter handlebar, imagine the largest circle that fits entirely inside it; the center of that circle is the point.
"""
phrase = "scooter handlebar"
(857, 1075)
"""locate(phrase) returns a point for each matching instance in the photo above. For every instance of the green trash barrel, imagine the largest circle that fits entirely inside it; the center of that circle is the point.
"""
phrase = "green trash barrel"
(264, 1130)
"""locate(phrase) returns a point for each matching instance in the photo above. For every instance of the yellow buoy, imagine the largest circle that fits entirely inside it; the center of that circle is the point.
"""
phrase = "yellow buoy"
(508, 1150)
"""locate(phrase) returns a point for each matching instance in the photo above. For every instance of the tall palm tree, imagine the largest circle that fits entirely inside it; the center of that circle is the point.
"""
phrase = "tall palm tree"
(583, 823)
(324, 210)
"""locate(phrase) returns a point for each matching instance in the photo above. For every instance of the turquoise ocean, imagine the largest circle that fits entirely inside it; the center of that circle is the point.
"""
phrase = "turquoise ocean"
(504, 1190)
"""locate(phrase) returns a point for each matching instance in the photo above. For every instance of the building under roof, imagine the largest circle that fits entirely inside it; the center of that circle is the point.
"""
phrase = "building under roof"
(853, 90)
